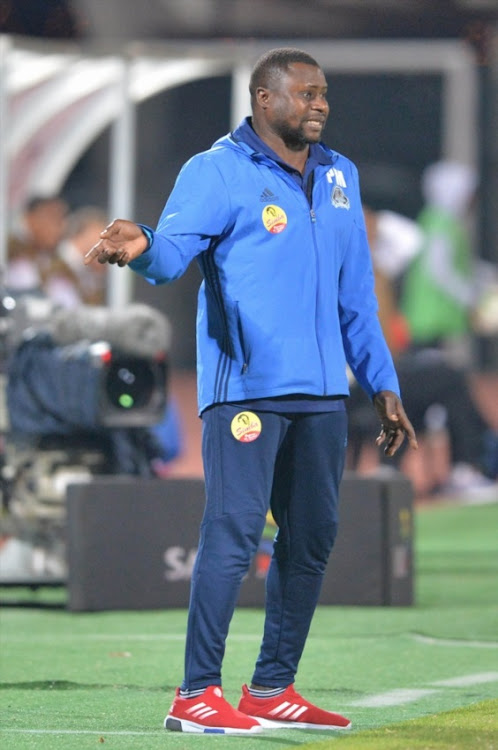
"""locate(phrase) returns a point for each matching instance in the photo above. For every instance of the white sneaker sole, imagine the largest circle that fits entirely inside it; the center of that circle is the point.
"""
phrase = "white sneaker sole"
(272, 724)
(184, 725)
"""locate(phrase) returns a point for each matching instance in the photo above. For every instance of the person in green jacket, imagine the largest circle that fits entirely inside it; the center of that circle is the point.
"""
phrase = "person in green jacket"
(437, 291)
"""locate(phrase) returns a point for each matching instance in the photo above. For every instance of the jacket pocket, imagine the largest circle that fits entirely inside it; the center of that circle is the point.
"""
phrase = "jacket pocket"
(242, 342)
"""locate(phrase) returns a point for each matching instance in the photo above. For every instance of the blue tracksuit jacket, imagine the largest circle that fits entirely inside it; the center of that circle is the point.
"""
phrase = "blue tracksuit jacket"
(288, 291)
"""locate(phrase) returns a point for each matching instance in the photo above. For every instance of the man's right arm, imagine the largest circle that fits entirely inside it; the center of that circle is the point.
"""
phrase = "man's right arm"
(197, 211)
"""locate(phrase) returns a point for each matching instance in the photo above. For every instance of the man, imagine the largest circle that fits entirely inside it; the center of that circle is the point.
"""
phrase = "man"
(438, 287)
(274, 219)
(33, 265)
(84, 226)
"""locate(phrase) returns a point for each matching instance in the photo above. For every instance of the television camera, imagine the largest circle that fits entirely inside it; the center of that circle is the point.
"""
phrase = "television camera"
(81, 393)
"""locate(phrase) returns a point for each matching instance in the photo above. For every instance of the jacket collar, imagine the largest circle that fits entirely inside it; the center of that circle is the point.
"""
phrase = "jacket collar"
(244, 133)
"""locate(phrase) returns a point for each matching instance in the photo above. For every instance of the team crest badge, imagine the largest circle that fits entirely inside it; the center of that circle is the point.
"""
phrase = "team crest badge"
(339, 198)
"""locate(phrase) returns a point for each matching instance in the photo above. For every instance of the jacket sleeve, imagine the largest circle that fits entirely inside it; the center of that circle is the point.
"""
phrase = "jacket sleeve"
(365, 347)
(196, 213)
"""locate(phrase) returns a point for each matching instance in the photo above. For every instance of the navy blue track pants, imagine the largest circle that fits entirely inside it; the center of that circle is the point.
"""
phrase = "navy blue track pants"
(292, 464)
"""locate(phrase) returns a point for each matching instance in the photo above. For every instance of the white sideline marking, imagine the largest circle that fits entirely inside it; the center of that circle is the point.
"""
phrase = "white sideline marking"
(242, 637)
(453, 642)
(117, 637)
(74, 731)
(407, 695)
(393, 697)
(470, 679)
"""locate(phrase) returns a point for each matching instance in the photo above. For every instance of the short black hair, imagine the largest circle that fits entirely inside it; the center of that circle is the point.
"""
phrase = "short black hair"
(38, 201)
(274, 63)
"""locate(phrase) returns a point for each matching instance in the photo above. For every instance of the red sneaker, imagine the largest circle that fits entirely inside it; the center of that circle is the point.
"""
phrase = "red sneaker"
(209, 713)
(289, 710)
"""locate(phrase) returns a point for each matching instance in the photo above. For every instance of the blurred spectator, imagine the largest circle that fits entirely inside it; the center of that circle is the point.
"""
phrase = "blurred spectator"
(84, 226)
(33, 265)
(394, 242)
(436, 393)
(438, 290)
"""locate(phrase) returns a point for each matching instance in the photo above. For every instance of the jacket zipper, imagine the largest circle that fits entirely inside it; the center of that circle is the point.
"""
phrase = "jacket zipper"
(309, 196)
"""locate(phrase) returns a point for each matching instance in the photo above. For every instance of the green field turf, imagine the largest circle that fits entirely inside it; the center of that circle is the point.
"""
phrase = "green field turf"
(417, 677)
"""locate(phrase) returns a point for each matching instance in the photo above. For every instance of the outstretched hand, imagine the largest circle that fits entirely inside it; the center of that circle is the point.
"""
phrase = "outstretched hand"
(395, 423)
(121, 242)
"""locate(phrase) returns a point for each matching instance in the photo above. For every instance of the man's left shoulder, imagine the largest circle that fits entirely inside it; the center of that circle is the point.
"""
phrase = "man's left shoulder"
(341, 163)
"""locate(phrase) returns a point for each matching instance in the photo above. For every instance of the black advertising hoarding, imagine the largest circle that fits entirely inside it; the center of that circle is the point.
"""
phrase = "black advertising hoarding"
(131, 544)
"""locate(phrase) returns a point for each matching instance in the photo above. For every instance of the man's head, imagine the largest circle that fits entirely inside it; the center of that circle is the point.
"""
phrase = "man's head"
(450, 186)
(45, 221)
(288, 97)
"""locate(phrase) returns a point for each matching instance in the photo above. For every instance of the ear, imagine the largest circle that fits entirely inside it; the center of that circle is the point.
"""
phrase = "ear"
(262, 97)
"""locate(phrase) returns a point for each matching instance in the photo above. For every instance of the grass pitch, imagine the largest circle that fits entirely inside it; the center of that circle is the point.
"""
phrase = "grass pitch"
(417, 677)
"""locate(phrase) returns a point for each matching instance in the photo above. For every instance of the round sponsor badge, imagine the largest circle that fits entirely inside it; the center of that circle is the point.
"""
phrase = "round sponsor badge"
(274, 219)
(246, 426)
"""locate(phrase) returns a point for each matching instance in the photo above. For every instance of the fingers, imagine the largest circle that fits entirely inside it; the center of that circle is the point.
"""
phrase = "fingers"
(105, 252)
(410, 433)
(112, 228)
(119, 243)
(92, 253)
(394, 442)
(407, 428)
(381, 438)
(392, 436)
(395, 423)
(107, 249)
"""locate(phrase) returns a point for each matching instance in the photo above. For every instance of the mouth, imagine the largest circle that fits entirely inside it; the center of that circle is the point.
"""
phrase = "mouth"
(317, 124)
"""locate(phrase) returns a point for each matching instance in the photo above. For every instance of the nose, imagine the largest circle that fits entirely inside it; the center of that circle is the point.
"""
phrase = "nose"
(320, 104)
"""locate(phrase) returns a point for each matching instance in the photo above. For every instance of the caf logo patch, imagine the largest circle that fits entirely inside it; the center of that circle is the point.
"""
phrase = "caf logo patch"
(246, 426)
(274, 219)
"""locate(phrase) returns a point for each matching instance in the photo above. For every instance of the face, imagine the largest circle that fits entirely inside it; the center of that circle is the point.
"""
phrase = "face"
(295, 107)
(47, 224)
